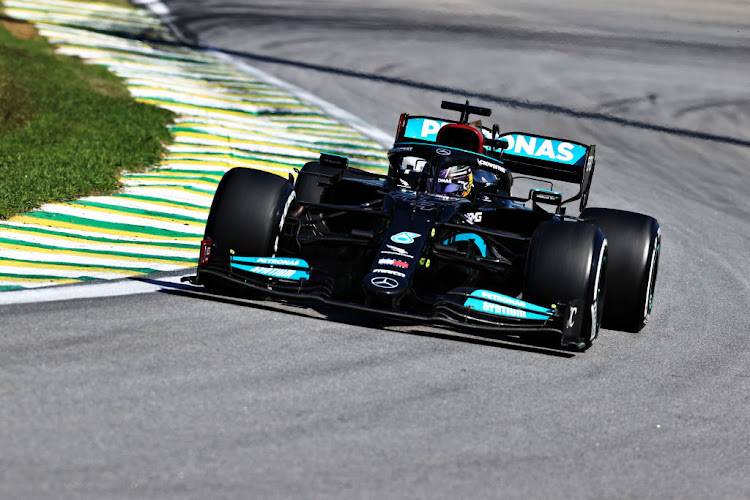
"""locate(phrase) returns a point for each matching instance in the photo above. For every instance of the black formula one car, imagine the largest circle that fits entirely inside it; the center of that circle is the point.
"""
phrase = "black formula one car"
(439, 239)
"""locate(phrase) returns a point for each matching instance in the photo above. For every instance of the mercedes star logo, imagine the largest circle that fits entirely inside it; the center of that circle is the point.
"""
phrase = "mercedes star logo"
(384, 282)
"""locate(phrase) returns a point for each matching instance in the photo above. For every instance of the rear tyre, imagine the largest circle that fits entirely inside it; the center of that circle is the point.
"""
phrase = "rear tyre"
(634, 243)
(568, 261)
(246, 215)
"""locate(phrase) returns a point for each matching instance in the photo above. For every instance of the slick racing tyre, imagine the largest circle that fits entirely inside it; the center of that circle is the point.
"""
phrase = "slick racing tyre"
(247, 212)
(568, 261)
(634, 244)
(246, 216)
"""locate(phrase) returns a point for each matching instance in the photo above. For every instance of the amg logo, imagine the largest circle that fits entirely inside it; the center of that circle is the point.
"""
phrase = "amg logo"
(501, 310)
(503, 299)
(276, 273)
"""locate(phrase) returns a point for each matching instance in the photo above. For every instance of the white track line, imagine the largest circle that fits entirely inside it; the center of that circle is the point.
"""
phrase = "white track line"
(91, 290)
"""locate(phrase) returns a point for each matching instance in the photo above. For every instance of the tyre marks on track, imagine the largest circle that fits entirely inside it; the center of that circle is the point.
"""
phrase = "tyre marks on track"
(225, 119)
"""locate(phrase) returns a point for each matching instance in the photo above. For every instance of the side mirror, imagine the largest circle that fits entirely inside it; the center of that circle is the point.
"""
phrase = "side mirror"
(496, 143)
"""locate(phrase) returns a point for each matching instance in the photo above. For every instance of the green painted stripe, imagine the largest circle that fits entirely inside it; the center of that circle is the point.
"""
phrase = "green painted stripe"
(216, 172)
(98, 239)
(180, 186)
(239, 155)
(139, 211)
(248, 155)
(220, 93)
(98, 252)
(285, 117)
(162, 55)
(113, 226)
(47, 277)
(159, 200)
(188, 171)
(170, 178)
(298, 160)
(304, 144)
(142, 270)
(6, 288)
(154, 62)
(164, 100)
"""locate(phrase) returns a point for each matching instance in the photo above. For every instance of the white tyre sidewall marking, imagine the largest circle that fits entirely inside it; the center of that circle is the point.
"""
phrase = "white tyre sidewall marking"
(649, 285)
(281, 222)
(595, 301)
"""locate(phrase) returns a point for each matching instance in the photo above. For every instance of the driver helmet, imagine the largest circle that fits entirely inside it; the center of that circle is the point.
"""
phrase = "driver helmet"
(455, 181)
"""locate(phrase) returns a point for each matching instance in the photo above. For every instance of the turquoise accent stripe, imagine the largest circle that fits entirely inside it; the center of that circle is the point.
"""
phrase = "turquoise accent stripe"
(499, 298)
(274, 272)
(272, 261)
(478, 241)
(498, 310)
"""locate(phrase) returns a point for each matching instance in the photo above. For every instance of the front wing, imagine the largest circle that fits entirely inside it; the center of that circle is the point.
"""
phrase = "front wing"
(465, 308)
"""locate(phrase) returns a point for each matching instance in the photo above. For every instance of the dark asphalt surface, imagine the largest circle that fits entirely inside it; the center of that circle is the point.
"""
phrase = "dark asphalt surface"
(167, 395)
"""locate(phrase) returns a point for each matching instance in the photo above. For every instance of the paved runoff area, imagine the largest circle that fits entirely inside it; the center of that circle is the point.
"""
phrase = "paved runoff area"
(226, 118)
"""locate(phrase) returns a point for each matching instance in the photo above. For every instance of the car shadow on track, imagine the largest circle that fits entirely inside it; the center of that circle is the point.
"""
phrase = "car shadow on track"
(536, 343)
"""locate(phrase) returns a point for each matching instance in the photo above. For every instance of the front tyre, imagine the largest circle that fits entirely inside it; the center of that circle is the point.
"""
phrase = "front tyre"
(568, 261)
(634, 242)
(246, 216)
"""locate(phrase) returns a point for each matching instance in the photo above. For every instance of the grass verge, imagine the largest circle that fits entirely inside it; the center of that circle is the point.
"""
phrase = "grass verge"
(67, 129)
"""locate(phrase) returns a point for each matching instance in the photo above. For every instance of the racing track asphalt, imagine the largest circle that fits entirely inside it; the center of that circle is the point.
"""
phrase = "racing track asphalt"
(168, 395)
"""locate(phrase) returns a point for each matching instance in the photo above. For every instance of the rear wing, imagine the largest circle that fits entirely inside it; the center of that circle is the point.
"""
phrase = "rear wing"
(550, 158)
(546, 157)
(425, 128)
(526, 154)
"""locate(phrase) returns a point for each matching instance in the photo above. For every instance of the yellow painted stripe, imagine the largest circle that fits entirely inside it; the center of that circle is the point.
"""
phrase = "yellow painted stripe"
(77, 238)
(179, 135)
(32, 278)
(83, 269)
(168, 204)
(174, 188)
(173, 106)
(91, 254)
(154, 178)
(138, 216)
(247, 98)
(176, 173)
(67, 225)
